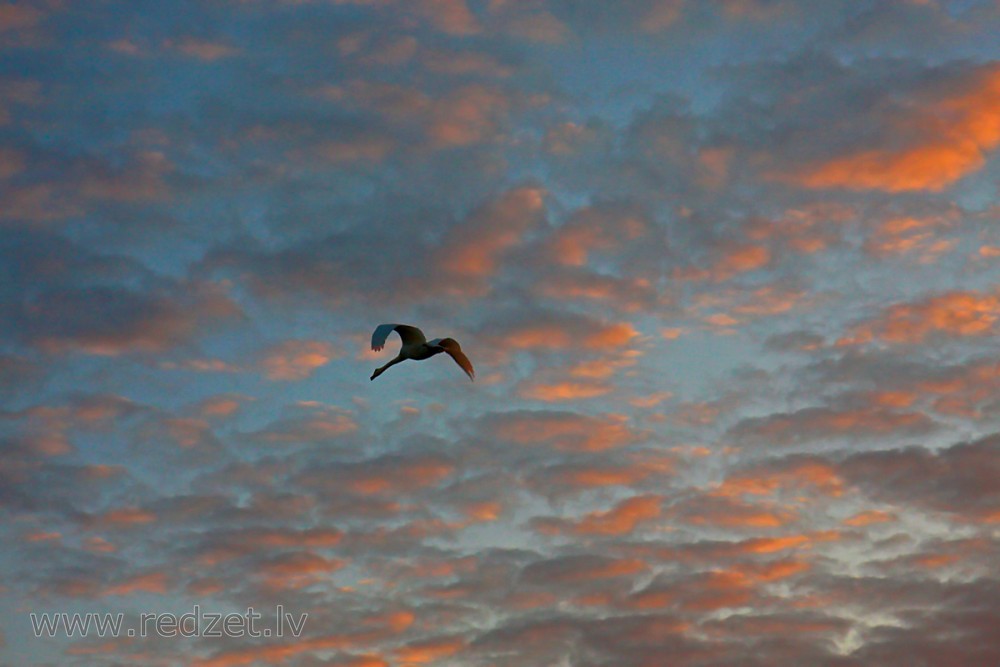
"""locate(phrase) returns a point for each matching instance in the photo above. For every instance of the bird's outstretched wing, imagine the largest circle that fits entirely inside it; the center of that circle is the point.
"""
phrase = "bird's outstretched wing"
(454, 350)
(409, 335)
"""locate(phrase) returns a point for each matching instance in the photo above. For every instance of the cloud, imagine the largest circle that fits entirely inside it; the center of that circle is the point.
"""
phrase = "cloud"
(153, 582)
(50, 187)
(960, 313)
(724, 512)
(945, 132)
(568, 431)
(530, 21)
(296, 359)
(563, 391)
(577, 570)
(48, 429)
(19, 17)
(821, 422)
(734, 322)
(450, 16)
(308, 424)
(296, 569)
(911, 235)
(870, 517)
(462, 262)
(740, 259)
(472, 251)
(275, 651)
(428, 651)
(110, 322)
(553, 331)
(576, 477)
(230, 544)
(621, 519)
(125, 516)
(63, 298)
(957, 479)
(592, 229)
(202, 49)
(793, 475)
(805, 229)
(389, 476)
(630, 295)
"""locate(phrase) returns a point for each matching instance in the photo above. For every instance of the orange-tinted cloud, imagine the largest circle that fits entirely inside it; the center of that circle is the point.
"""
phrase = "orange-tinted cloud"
(575, 477)
(562, 335)
(428, 651)
(466, 116)
(126, 516)
(474, 249)
(725, 512)
(186, 432)
(806, 229)
(465, 63)
(449, 16)
(911, 235)
(316, 424)
(362, 147)
(821, 423)
(621, 519)
(767, 545)
(730, 259)
(594, 229)
(19, 16)
(568, 138)
(957, 314)
(296, 569)
(47, 429)
(661, 15)
(528, 20)
(562, 430)
(410, 475)
(276, 653)
(153, 582)
(869, 517)
(243, 542)
(221, 406)
(388, 476)
(945, 134)
(740, 258)
(796, 475)
(202, 49)
(772, 571)
(296, 359)
(486, 510)
(114, 322)
(11, 162)
(43, 536)
(626, 294)
(143, 178)
(563, 391)
(758, 10)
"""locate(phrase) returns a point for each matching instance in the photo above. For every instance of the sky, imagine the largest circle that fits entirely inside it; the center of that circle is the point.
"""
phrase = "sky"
(727, 270)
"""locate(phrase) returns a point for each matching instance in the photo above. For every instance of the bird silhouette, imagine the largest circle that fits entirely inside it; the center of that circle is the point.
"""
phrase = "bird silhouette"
(417, 347)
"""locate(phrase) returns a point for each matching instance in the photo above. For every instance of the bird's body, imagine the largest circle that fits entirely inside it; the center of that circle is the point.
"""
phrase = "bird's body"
(417, 347)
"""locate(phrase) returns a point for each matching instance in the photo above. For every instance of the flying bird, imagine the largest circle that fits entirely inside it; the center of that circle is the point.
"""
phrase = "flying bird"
(417, 347)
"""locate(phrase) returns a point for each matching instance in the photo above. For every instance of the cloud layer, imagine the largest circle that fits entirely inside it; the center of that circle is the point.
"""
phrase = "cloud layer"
(727, 271)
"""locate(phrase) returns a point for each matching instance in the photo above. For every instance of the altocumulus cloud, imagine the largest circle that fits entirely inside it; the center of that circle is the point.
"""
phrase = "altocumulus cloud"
(727, 271)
